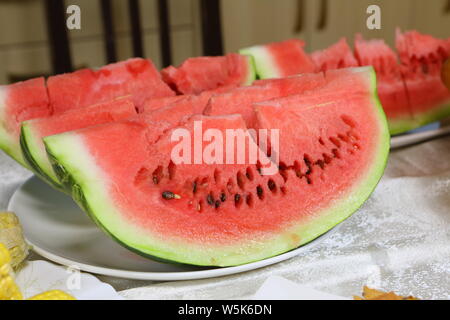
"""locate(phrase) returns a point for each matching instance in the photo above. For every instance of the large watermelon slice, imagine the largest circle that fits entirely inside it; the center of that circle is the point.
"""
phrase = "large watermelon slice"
(422, 57)
(199, 74)
(34, 130)
(391, 87)
(333, 151)
(18, 102)
(336, 56)
(280, 59)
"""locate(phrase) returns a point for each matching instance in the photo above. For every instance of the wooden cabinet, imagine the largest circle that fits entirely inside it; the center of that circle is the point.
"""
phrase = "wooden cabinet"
(24, 47)
(23, 35)
(247, 22)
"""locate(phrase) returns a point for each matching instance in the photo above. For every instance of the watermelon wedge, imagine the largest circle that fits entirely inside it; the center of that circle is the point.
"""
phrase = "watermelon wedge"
(18, 102)
(280, 59)
(199, 74)
(136, 77)
(391, 86)
(34, 130)
(336, 56)
(332, 153)
(422, 57)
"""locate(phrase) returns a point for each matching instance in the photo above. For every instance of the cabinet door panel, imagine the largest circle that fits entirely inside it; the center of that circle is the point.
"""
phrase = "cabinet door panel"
(432, 17)
(250, 22)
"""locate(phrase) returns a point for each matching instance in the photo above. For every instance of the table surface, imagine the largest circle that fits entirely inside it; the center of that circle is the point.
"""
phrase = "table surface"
(399, 240)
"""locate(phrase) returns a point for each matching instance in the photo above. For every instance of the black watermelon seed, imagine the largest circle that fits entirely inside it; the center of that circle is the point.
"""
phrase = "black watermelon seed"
(223, 197)
(259, 191)
(210, 199)
(237, 197)
(271, 185)
(217, 204)
(169, 195)
(194, 187)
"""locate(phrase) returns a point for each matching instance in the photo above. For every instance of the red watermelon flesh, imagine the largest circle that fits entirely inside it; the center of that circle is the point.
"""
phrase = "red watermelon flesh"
(173, 114)
(153, 104)
(19, 102)
(230, 214)
(241, 100)
(199, 74)
(290, 57)
(33, 131)
(391, 85)
(280, 59)
(176, 113)
(136, 77)
(422, 57)
(200, 99)
(337, 56)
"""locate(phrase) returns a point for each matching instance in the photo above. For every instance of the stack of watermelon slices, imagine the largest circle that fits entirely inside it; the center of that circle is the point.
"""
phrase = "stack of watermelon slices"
(106, 137)
(334, 144)
(409, 82)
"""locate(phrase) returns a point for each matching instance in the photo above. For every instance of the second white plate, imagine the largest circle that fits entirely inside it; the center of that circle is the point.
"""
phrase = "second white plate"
(417, 137)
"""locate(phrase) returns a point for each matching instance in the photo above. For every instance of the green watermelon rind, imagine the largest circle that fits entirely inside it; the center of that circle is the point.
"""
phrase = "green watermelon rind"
(398, 125)
(437, 113)
(89, 187)
(251, 75)
(33, 158)
(11, 148)
(265, 67)
(9, 144)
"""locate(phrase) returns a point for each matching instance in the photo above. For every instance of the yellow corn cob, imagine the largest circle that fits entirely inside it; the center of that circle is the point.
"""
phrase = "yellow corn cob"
(53, 295)
(8, 288)
(11, 236)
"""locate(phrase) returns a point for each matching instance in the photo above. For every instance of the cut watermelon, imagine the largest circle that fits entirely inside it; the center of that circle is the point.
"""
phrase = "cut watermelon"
(241, 100)
(411, 90)
(136, 77)
(18, 102)
(391, 87)
(196, 75)
(34, 130)
(32, 99)
(337, 56)
(422, 57)
(280, 59)
(333, 151)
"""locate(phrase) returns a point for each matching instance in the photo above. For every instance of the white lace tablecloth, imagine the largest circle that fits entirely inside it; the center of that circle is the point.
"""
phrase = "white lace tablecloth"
(399, 240)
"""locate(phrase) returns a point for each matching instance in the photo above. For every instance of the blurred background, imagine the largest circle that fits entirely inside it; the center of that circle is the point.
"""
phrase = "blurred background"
(34, 39)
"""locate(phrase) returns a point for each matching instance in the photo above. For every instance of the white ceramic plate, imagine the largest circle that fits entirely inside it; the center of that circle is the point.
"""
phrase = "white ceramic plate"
(59, 231)
(417, 137)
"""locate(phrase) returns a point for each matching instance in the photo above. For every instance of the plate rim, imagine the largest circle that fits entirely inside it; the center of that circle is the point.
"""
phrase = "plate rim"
(167, 276)
(408, 139)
